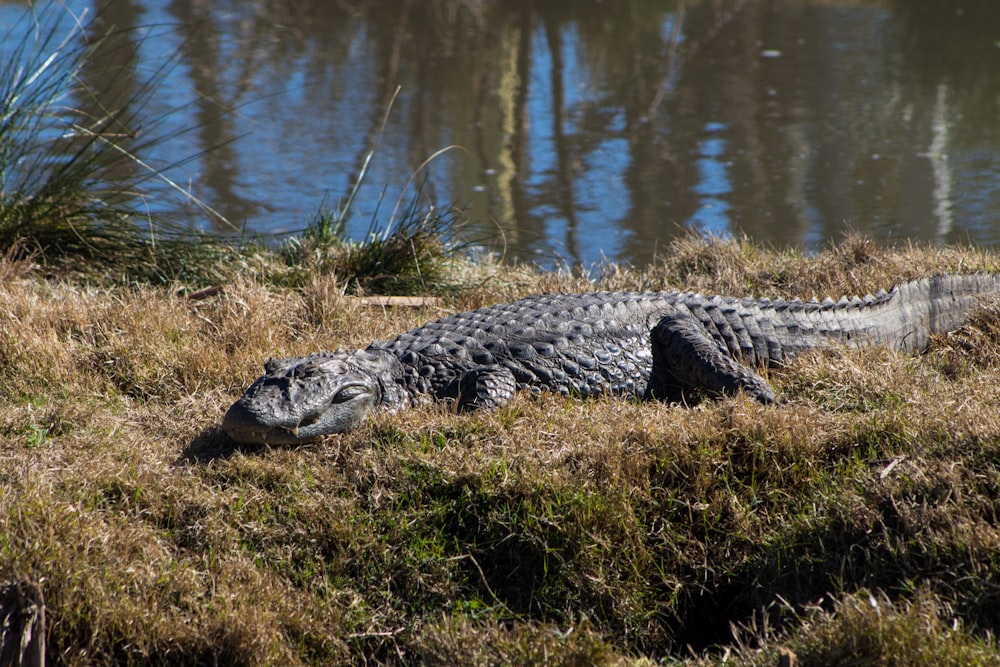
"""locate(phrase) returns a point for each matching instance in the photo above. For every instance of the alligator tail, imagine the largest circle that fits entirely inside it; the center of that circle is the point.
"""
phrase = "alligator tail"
(918, 309)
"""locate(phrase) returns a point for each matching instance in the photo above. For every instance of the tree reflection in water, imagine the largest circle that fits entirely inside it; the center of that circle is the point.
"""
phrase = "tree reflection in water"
(587, 129)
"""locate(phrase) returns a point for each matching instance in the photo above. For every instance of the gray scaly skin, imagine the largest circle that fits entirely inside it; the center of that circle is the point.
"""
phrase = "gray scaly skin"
(663, 345)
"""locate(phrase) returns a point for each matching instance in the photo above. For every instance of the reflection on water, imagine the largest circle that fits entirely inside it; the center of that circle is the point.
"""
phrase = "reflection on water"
(582, 129)
(713, 185)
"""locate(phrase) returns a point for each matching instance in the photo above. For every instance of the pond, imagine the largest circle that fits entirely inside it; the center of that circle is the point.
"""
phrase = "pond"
(570, 131)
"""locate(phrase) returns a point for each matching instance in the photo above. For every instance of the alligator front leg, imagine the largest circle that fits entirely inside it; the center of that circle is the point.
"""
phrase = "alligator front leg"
(685, 354)
(484, 388)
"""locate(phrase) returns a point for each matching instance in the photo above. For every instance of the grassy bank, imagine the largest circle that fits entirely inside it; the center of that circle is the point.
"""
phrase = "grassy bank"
(853, 523)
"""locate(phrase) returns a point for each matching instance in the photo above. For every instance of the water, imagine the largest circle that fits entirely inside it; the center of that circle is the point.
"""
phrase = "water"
(573, 131)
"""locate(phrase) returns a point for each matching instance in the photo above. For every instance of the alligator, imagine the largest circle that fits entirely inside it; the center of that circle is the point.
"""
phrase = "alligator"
(672, 346)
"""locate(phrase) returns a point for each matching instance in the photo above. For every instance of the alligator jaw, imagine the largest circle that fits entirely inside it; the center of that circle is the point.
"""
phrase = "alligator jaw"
(302, 398)
(244, 425)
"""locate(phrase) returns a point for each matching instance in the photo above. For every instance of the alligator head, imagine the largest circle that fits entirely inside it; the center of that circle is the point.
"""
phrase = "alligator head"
(300, 398)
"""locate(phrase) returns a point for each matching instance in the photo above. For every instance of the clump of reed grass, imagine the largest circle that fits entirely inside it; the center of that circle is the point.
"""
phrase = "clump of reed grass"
(411, 253)
(51, 161)
(73, 172)
(410, 257)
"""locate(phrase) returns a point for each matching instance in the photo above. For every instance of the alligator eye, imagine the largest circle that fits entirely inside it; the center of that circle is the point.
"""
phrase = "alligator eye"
(348, 393)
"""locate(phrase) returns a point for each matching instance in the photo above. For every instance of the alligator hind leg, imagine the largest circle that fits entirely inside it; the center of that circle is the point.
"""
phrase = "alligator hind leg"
(485, 388)
(684, 352)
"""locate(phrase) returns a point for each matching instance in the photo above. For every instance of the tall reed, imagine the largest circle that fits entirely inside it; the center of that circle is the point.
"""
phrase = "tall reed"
(75, 174)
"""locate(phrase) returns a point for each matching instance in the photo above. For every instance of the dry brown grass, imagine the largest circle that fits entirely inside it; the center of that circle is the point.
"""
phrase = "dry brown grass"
(856, 522)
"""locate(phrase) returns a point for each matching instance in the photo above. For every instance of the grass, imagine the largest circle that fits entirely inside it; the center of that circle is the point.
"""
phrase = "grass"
(413, 254)
(853, 523)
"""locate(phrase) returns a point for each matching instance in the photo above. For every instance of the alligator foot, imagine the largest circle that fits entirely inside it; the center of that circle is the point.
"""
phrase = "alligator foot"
(485, 388)
(685, 354)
